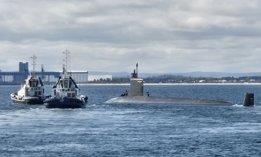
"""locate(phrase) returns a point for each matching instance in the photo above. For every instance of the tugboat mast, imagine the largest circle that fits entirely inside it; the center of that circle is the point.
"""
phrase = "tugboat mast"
(34, 57)
(66, 59)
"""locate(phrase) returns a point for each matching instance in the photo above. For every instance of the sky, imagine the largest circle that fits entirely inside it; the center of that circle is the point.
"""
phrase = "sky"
(167, 36)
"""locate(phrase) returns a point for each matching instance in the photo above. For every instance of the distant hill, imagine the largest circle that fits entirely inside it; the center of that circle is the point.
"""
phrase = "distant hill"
(192, 74)
(216, 74)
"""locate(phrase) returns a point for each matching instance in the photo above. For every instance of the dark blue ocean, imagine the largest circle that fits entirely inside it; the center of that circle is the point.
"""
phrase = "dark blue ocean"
(132, 129)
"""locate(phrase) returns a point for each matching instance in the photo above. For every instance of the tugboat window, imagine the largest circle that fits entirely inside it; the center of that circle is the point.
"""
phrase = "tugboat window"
(34, 83)
(66, 84)
(62, 83)
(70, 83)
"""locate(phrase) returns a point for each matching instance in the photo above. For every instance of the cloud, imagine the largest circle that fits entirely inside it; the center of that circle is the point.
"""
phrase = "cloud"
(163, 36)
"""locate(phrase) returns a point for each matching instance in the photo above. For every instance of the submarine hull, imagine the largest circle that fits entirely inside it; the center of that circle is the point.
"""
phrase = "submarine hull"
(166, 100)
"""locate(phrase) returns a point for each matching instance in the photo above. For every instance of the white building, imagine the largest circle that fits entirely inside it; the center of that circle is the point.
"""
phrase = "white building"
(80, 76)
(252, 80)
(224, 81)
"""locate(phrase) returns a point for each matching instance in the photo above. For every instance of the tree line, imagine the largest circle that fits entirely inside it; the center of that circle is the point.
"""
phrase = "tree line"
(182, 79)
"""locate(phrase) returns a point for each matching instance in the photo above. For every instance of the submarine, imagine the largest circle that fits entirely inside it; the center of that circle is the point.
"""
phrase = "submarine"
(136, 96)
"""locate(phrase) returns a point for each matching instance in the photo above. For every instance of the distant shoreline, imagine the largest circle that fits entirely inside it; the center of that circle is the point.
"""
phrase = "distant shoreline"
(153, 84)
(167, 84)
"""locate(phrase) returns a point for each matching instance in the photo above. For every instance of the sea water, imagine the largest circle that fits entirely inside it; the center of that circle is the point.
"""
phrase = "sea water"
(134, 129)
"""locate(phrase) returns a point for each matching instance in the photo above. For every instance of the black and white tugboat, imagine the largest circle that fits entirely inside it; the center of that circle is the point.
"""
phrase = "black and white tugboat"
(32, 92)
(65, 93)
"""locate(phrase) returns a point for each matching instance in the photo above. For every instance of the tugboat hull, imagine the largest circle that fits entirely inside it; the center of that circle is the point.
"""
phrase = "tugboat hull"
(28, 101)
(64, 103)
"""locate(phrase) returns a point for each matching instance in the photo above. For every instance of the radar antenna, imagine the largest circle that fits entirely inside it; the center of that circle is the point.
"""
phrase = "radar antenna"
(34, 57)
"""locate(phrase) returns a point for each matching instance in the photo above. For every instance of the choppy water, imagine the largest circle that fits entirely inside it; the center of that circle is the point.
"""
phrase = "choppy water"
(134, 130)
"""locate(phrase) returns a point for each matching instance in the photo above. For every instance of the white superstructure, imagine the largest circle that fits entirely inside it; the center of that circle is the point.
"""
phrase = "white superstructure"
(32, 92)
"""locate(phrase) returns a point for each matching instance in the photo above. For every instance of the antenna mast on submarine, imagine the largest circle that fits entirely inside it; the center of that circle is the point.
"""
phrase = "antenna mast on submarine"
(137, 70)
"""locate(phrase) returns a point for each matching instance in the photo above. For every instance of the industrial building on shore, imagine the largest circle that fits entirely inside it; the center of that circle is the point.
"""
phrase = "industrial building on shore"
(48, 77)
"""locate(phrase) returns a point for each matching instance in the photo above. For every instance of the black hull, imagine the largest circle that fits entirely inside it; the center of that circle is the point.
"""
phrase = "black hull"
(64, 103)
(165, 100)
(29, 102)
(64, 106)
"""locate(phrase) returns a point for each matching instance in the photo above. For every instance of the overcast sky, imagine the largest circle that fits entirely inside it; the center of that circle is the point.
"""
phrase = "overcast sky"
(112, 35)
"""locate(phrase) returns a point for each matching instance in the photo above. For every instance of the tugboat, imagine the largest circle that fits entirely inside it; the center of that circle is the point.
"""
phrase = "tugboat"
(32, 92)
(65, 93)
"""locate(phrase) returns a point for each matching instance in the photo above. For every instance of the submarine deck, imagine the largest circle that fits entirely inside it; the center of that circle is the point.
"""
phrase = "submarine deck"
(167, 100)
